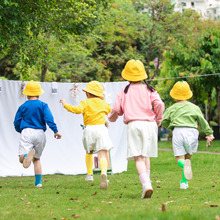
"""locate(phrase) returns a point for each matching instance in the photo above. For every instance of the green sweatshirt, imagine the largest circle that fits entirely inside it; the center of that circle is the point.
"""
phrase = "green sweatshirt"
(185, 114)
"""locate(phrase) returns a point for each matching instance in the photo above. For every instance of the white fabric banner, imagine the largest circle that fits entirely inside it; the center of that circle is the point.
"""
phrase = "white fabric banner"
(64, 156)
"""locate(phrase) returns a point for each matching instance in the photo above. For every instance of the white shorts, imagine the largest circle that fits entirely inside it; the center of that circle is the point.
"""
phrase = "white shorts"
(142, 139)
(96, 138)
(32, 139)
(185, 140)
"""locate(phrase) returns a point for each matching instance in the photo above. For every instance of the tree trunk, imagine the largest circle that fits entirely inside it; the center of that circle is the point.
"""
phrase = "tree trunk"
(43, 72)
(4, 59)
(209, 106)
(218, 103)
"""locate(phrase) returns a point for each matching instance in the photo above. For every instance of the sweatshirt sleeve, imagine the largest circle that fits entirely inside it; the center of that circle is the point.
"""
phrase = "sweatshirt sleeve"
(158, 105)
(48, 117)
(204, 124)
(17, 120)
(166, 119)
(77, 109)
(117, 108)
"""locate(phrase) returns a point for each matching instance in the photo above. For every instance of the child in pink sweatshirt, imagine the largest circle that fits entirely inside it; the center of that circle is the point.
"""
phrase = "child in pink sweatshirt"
(143, 110)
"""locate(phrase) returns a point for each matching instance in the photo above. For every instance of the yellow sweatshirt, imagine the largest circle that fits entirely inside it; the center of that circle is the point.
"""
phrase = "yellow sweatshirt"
(94, 110)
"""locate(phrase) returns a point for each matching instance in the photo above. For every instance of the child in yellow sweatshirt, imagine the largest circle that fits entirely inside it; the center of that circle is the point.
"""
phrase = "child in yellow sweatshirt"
(95, 134)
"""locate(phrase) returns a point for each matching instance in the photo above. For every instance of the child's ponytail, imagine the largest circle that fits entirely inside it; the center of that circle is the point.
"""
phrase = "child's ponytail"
(151, 88)
(126, 88)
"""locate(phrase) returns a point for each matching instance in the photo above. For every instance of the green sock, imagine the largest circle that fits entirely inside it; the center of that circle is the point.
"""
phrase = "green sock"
(181, 164)
(183, 180)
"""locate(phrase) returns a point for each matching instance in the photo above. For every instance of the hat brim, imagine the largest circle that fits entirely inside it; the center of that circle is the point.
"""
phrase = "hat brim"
(133, 78)
(33, 93)
(181, 97)
(95, 93)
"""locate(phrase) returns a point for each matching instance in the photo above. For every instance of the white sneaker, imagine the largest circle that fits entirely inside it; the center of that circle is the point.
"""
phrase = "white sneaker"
(147, 191)
(27, 160)
(89, 178)
(187, 169)
(104, 181)
(184, 185)
(38, 185)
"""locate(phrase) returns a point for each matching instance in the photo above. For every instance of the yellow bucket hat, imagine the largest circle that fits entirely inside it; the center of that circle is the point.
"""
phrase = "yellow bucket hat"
(134, 71)
(33, 89)
(95, 88)
(181, 91)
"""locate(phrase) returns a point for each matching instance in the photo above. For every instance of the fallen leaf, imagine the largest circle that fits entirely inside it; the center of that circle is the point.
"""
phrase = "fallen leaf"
(213, 186)
(85, 207)
(94, 194)
(169, 202)
(57, 192)
(163, 208)
(213, 205)
(69, 209)
(206, 203)
(75, 216)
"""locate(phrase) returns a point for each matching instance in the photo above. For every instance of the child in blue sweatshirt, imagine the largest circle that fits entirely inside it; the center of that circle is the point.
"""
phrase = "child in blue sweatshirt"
(30, 120)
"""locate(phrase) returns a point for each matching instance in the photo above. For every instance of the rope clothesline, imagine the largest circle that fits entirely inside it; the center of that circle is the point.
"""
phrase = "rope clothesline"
(180, 77)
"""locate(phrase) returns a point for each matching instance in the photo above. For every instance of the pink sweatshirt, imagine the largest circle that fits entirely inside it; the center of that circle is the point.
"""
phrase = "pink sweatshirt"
(139, 104)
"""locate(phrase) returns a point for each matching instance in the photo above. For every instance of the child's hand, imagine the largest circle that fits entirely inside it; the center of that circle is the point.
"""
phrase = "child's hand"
(209, 138)
(57, 135)
(63, 101)
(106, 123)
(158, 123)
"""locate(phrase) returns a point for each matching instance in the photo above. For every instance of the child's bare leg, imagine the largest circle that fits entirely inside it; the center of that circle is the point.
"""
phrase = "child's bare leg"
(140, 162)
(188, 156)
(21, 158)
(102, 154)
(38, 172)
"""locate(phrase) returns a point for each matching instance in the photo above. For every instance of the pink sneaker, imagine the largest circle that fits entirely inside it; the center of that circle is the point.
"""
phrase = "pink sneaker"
(147, 191)
(27, 160)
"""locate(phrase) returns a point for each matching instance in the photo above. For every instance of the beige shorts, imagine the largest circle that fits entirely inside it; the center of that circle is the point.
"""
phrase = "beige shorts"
(96, 138)
(142, 137)
(32, 139)
(185, 140)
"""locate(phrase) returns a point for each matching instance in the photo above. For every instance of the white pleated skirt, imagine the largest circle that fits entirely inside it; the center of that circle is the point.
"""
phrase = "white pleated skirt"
(96, 138)
(142, 138)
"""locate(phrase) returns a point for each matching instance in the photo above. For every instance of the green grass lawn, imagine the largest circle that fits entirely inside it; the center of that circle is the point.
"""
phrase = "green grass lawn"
(69, 197)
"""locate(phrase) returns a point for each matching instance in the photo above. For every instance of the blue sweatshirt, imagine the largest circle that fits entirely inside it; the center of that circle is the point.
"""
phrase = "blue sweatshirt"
(34, 114)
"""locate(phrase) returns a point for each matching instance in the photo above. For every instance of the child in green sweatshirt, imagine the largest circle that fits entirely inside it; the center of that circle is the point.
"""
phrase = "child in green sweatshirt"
(183, 117)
